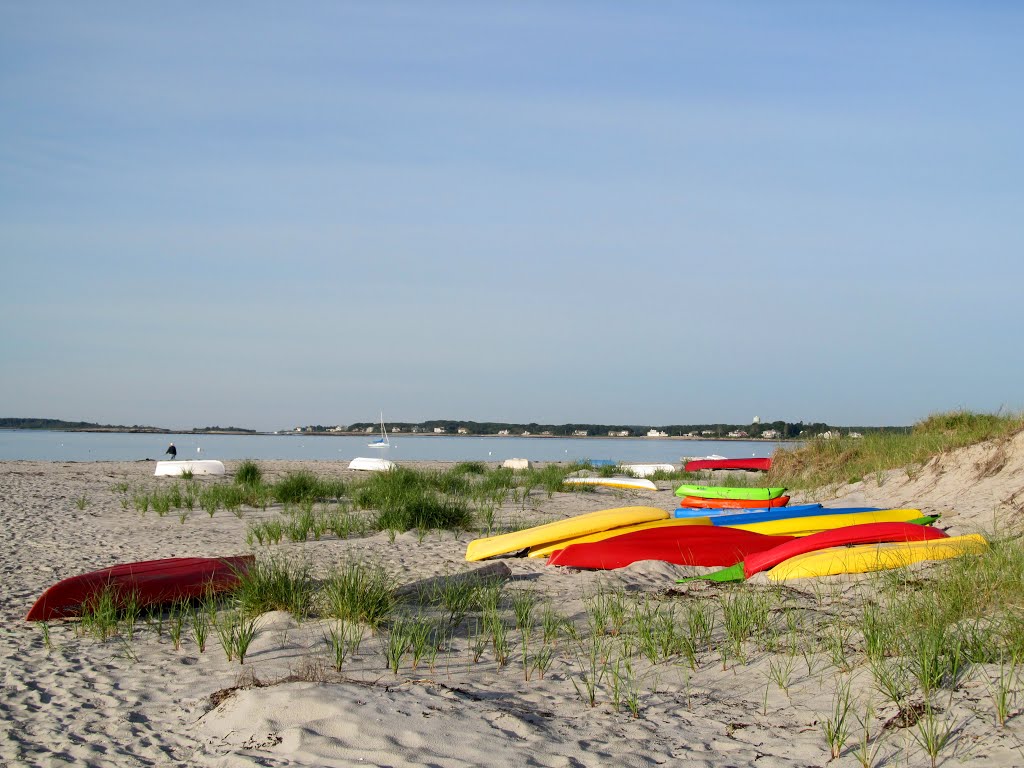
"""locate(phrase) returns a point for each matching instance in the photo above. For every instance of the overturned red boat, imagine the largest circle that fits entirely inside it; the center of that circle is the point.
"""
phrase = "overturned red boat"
(750, 465)
(148, 582)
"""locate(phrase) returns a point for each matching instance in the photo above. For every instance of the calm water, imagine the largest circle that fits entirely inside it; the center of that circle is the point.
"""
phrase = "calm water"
(113, 446)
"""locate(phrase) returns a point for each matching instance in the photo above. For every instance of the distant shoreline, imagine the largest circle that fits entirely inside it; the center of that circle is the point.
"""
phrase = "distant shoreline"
(404, 435)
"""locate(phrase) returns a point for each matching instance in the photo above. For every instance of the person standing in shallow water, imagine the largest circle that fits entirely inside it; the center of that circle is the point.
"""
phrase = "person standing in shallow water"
(171, 451)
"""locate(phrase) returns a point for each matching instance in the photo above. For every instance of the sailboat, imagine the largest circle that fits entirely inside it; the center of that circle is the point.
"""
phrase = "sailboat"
(383, 441)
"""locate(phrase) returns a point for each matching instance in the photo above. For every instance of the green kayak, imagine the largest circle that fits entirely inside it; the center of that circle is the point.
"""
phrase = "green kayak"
(713, 492)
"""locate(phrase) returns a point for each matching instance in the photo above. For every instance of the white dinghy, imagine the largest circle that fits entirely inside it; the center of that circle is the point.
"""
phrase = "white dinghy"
(371, 464)
(198, 467)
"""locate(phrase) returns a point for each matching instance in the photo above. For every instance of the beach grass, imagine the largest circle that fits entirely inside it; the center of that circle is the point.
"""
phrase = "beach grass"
(821, 462)
(361, 592)
(276, 584)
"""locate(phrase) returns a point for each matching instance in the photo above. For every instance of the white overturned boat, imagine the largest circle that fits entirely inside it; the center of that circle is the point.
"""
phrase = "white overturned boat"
(646, 470)
(198, 467)
(371, 464)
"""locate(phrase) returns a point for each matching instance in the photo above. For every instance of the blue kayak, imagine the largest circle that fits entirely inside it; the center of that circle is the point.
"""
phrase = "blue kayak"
(595, 463)
(780, 513)
(794, 510)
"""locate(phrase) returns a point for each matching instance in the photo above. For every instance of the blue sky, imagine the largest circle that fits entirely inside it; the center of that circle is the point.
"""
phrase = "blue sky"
(271, 214)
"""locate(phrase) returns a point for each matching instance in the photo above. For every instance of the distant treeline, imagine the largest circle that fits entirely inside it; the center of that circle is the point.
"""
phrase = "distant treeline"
(781, 429)
(71, 425)
(85, 426)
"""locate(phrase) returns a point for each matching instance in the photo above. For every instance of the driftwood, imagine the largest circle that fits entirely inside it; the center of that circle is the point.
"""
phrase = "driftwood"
(496, 570)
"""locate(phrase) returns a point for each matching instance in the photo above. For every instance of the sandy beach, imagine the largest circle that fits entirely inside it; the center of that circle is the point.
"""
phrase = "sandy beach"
(71, 699)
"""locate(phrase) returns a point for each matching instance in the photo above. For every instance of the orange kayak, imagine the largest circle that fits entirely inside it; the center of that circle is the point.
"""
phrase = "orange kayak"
(696, 502)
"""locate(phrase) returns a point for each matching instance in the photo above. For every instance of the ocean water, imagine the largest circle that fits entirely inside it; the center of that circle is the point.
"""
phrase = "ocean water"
(46, 445)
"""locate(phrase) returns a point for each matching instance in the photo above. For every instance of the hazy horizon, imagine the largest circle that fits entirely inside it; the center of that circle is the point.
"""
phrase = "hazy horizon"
(265, 216)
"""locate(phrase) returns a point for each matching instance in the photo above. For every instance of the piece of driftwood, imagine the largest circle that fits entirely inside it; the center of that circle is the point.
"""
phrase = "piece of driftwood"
(490, 571)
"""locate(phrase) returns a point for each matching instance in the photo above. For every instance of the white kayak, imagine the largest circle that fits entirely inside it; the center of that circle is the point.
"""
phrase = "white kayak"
(198, 467)
(371, 464)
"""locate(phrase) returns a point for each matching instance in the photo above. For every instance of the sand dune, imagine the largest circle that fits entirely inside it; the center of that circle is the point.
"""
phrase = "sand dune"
(141, 702)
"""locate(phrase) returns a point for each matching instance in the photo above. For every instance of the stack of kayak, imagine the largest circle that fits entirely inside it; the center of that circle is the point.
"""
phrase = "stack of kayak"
(787, 542)
(714, 497)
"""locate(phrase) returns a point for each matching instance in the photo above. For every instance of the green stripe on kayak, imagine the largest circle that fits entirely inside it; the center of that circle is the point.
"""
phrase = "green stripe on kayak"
(719, 492)
(732, 573)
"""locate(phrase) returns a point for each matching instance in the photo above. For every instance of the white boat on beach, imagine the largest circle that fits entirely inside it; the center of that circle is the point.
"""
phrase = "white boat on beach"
(371, 464)
(197, 467)
(646, 470)
(628, 483)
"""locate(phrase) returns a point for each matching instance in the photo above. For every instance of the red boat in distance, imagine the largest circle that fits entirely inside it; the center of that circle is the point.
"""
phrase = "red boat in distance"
(149, 582)
(750, 465)
(697, 502)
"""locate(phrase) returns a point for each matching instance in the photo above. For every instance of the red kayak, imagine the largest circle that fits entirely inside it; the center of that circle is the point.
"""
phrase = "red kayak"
(751, 465)
(697, 502)
(866, 533)
(682, 545)
(150, 581)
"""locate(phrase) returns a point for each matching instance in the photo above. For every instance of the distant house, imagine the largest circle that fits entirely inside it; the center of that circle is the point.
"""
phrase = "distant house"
(830, 435)
(771, 434)
(618, 433)
(463, 431)
(438, 430)
(526, 434)
(707, 432)
(546, 432)
(396, 429)
(855, 435)
(503, 432)
(656, 433)
(580, 433)
(737, 433)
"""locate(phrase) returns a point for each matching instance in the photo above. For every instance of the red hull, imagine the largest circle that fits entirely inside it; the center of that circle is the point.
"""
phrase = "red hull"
(761, 465)
(696, 502)
(867, 533)
(150, 581)
(683, 545)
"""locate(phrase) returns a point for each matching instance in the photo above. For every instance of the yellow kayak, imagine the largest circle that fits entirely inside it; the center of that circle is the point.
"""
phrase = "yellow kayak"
(805, 526)
(579, 525)
(543, 550)
(875, 557)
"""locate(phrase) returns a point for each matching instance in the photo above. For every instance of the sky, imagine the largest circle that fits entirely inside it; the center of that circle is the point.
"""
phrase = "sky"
(275, 214)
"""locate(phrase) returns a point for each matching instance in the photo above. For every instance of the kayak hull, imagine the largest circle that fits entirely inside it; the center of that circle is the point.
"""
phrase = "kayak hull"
(750, 465)
(875, 557)
(721, 492)
(602, 520)
(805, 526)
(696, 502)
(625, 483)
(149, 582)
(543, 550)
(682, 545)
(787, 511)
(866, 533)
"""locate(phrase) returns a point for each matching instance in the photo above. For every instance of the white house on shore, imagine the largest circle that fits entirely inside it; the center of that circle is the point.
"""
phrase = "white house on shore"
(656, 433)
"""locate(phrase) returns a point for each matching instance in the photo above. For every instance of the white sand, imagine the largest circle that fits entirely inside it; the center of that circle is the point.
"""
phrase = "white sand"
(142, 703)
